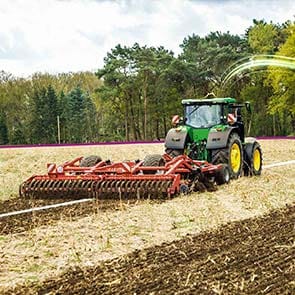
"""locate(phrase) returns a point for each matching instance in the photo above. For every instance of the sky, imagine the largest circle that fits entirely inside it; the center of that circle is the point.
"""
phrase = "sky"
(75, 35)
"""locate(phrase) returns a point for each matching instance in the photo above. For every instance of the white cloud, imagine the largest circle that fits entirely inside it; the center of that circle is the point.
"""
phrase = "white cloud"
(73, 35)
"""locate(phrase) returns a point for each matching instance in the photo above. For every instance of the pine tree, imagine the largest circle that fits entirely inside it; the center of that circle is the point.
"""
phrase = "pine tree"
(76, 117)
(91, 131)
(63, 111)
(50, 115)
(44, 118)
(17, 134)
(38, 129)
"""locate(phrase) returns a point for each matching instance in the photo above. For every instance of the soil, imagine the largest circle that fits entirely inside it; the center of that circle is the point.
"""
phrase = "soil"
(252, 256)
(27, 221)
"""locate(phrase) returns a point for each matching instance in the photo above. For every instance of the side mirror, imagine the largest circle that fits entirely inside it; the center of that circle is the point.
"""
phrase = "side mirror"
(231, 119)
(248, 107)
(176, 120)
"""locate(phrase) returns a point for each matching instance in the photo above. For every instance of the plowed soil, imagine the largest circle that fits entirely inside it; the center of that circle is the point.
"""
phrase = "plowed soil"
(27, 221)
(253, 256)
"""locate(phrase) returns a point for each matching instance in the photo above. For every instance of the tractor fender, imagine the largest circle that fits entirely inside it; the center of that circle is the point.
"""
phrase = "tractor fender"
(176, 138)
(218, 139)
(248, 147)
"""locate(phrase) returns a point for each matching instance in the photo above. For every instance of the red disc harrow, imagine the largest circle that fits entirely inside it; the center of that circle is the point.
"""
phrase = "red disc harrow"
(122, 179)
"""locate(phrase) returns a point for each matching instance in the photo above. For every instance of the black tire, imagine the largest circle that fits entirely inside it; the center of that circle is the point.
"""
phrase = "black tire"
(174, 152)
(153, 161)
(253, 159)
(222, 176)
(225, 156)
(90, 161)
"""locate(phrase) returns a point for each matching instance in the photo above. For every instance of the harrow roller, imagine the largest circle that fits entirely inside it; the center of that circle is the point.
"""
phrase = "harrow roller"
(120, 180)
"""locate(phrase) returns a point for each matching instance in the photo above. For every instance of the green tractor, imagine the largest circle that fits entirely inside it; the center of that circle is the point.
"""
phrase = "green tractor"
(213, 130)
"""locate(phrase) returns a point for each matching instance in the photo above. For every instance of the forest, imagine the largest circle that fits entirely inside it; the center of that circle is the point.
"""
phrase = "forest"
(139, 88)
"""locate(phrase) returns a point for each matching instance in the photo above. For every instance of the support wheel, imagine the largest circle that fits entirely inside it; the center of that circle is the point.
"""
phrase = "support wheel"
(90, 161)
(153, 161)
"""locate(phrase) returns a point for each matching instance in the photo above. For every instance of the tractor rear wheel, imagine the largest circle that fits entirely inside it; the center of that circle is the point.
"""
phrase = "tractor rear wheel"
(254, 160)
(232, 155)
(90, 161)
(153, 161)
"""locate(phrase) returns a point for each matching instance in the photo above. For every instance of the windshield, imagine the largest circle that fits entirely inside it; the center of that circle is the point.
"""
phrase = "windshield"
(203, 116)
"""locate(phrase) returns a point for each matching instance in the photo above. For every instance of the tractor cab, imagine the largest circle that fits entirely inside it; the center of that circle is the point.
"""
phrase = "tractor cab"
(202, 116)
(205, 113)
(221, 113)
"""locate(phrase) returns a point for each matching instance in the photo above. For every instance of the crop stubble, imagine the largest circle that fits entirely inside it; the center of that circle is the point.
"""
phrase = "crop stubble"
(273, 151)
(253, 256)
(16, 165)
(248, 256)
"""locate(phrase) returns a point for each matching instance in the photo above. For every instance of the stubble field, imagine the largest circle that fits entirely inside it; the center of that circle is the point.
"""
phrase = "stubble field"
(107, 247)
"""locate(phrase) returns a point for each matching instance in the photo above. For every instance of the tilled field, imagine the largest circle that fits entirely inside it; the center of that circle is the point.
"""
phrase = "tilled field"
(27, 221)
(253, 256)
(64, 250)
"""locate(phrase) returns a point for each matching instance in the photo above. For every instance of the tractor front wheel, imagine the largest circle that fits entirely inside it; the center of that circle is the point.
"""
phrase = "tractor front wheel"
(222, 176)
(232, 155)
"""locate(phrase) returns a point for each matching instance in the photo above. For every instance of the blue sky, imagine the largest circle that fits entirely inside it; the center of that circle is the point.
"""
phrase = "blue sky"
(75, 35)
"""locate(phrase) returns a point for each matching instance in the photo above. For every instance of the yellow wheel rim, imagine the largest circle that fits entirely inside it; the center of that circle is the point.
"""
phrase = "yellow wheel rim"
(256, 160)
(235, 157)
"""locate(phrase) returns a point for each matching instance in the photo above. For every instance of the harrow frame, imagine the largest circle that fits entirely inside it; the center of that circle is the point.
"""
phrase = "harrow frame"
(179, 174)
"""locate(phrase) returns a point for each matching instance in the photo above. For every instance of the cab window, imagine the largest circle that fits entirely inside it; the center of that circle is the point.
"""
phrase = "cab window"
(203, 116)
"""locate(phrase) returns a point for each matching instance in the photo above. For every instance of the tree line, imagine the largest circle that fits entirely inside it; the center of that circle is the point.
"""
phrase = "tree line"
(32, 108)
(138, 89)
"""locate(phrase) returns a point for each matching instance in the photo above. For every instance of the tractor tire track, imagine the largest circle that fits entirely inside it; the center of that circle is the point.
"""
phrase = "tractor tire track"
(252, 256)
